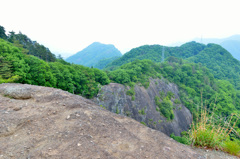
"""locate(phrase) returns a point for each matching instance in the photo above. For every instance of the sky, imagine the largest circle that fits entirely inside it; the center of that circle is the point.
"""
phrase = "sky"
(68, 26)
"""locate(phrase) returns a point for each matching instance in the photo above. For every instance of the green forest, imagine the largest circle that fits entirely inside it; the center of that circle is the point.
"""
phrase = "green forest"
(20, 67)
(202, 72)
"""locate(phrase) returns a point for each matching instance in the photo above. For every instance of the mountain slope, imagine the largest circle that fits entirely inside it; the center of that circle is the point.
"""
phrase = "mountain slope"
(227, 66)
(16, 66)
(154, 53)
(220, 62)
(104, 62)
(43, 122)
(231, 44)
(92, 54)
(31, 47)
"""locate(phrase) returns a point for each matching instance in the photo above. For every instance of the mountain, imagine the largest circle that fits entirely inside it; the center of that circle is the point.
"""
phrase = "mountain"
(231, 44)
(92, 54)
(154, 53)
(218, 60)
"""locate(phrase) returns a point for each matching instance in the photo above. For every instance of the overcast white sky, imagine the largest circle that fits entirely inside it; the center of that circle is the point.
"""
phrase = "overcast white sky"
(68, 26)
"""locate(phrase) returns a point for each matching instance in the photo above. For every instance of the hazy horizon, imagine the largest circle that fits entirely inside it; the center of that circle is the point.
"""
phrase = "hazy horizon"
(66, 27)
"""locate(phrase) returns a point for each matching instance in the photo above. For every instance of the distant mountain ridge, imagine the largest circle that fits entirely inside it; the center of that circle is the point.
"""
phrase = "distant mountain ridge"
(231, 44)
(92, 54)
(217, 59)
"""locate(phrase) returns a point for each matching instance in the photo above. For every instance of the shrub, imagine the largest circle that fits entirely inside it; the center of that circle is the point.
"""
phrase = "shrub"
(210, 134)
(142, 122)
(170, 95)
(142, 112)
(177, 101)
(183, 139)
(231, 147)
(131, 91)
(117, 111)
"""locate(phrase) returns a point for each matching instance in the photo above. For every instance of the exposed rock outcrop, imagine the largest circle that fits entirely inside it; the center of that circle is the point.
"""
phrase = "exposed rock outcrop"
(143, 108)
(52, 123)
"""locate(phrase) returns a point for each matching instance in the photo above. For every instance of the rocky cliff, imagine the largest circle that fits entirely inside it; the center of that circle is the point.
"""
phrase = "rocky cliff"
(144, 108)
(42, 122)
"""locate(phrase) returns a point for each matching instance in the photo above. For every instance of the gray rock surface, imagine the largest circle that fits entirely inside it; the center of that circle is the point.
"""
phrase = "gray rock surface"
(17, 92)
(56, 124)
(113, 97)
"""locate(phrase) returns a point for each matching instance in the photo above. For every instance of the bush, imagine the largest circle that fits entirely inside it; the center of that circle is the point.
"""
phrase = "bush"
(231, 147)
(142, 122)
(183, 140)
(210, 134)
(177, 101)
(142, 112)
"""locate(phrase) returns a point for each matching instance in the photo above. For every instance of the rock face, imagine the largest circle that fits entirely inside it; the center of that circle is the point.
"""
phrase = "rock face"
(143, 109)
(41, 122)
(56, 124)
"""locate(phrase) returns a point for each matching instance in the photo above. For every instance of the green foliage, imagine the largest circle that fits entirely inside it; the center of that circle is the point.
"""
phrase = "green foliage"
(18, 67)
(137, 71)
(170, 95)
(142, 122)
(154, 53)
(131, 91)
(165, 106)
(232, 147)
(5, 68)
(142, 112)
(219, 62)
(209, 131)
(117, 111)
(2, 33)
(162, 94)
(119, 76)
(177, 101)
(192, 79)
(31, 47)
(95, 52)
(102, 106)
(104, 62)
(183, 139)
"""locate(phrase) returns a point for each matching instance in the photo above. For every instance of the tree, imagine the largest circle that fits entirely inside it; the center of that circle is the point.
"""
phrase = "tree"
(5, 68)
(2, 33)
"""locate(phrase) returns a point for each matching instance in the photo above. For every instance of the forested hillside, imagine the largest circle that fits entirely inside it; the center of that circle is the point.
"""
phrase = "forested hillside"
(193, 80)
(104, 62)
(27, 45)
(17, 66)
(220, 62)
(231, 44)
(91, 55)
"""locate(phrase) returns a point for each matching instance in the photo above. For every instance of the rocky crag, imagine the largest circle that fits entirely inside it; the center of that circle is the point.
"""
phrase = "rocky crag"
(42, 122)
(143, 108)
